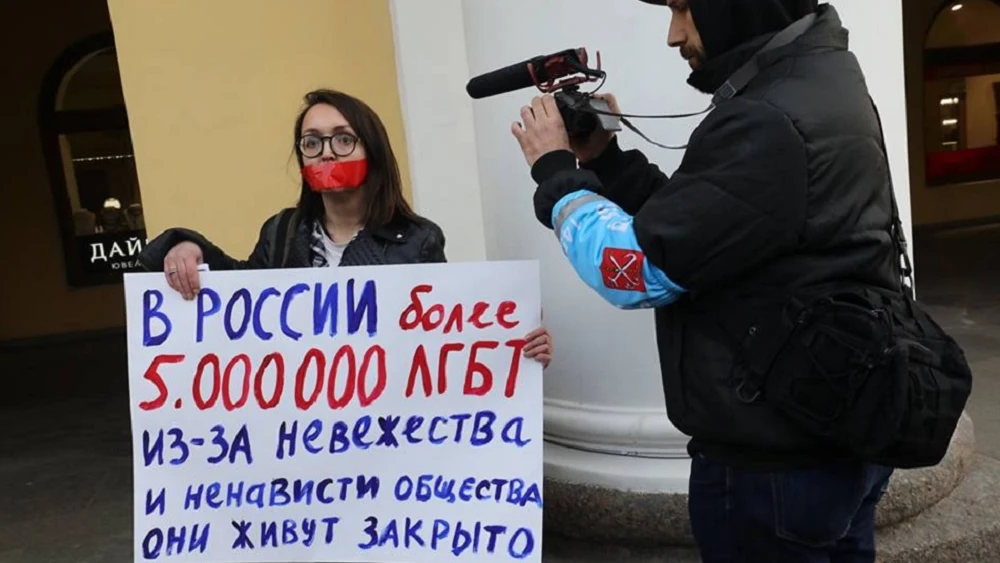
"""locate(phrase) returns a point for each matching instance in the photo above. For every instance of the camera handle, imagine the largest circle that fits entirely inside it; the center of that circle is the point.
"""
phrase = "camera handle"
(583, 113)
(579, 115)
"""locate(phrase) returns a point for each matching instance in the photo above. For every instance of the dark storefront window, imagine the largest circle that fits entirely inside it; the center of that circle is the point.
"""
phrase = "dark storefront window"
(88, 150)
(962, 86)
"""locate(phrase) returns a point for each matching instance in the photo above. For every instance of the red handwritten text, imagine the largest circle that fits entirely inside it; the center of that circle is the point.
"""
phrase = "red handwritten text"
(478, 376)
(430, 318)
(345, 383)
(153, 375)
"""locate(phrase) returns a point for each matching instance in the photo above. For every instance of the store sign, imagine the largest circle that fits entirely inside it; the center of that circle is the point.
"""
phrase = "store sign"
(111, 252)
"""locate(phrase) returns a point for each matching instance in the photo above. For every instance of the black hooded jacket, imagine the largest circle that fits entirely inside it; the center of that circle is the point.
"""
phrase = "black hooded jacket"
(733, 30)
(783, 187)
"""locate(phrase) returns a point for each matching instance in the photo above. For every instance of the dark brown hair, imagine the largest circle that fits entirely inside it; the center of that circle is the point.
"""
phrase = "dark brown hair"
(384, 201)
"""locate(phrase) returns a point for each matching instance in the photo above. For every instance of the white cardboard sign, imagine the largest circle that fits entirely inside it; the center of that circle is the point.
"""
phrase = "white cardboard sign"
(372, 414)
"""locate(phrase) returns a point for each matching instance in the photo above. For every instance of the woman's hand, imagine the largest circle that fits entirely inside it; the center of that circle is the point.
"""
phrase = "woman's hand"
(539, 346)
(181, 268)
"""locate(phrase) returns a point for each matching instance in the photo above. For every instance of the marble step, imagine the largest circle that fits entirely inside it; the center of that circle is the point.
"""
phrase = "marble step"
(964, 527)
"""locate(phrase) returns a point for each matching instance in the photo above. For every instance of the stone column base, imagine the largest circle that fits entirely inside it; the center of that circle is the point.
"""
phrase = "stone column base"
(637, 501)
(617, 499)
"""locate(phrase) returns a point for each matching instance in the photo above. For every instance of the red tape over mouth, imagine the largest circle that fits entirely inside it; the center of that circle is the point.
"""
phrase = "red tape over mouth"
(336, 175)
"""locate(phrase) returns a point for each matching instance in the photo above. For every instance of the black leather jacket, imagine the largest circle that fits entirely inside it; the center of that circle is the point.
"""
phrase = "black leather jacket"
(402, 242)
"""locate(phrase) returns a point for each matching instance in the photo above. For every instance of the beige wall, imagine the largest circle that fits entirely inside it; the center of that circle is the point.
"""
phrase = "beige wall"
(939, 204)
(213, 88)
(34, 297)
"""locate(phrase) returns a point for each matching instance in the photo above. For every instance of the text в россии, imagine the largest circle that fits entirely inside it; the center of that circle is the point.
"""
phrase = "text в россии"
(244, 309)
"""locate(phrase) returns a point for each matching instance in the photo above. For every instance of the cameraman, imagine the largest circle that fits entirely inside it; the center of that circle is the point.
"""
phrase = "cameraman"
(783, 187)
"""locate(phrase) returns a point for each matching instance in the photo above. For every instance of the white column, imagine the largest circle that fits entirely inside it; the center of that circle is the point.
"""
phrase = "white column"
(605, 418)
(437, 117)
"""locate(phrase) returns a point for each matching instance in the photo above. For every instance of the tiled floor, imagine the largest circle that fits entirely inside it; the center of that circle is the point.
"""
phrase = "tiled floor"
(65, 481)
(65, 471)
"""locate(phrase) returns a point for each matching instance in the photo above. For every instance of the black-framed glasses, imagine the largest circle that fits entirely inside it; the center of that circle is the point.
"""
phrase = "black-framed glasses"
(341, 144)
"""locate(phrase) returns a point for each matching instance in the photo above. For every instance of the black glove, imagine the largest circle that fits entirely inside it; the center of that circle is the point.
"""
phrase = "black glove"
(557, 176)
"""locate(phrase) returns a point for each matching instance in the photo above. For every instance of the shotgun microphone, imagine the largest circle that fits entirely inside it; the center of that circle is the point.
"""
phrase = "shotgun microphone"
(536, 71)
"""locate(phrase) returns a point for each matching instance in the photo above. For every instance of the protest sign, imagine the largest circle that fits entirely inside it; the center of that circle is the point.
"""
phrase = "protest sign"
(383, 414)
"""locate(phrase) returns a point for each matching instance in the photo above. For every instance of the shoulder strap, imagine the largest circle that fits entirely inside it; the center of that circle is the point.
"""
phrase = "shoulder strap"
(282, 236)
(896, 231)
(739, 80)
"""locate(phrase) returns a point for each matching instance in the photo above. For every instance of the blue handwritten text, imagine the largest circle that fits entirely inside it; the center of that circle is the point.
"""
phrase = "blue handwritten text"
(457, 537)
(392, 431)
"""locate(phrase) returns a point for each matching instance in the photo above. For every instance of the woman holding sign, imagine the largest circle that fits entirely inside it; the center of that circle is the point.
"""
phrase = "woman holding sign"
(351, 211)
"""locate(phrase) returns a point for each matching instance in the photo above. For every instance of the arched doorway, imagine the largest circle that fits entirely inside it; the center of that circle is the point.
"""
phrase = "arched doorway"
(956, 199)
(955, 123)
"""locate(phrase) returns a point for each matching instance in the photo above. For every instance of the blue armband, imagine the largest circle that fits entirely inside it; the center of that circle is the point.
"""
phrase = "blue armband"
(598, 238)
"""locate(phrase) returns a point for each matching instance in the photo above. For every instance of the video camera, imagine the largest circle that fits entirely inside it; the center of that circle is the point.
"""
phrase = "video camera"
(582, 112)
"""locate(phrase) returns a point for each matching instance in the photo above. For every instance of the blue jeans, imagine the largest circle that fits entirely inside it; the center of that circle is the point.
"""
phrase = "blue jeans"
(818, 515)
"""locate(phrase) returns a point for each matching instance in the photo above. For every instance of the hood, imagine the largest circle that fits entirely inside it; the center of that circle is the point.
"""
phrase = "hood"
(727, 24)
(726, 54)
